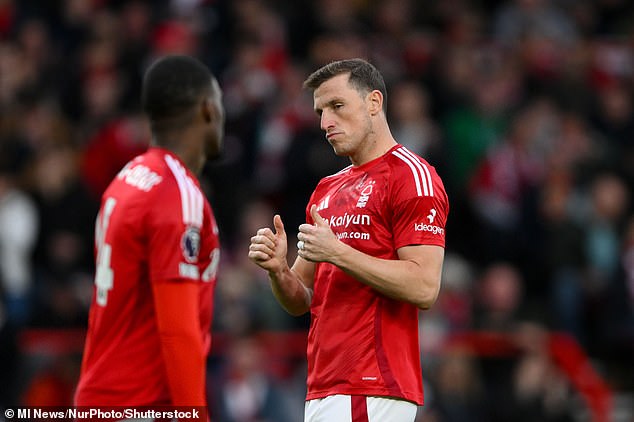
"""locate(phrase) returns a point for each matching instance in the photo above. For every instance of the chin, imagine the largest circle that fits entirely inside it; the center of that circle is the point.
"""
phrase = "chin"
(340, 151)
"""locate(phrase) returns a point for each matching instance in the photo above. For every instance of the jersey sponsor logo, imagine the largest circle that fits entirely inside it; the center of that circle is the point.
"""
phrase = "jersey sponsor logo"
(423, 227)
(365, 194)
(355, 235)
(139, 176)
(347, 219)
(190, 244)
(431, 216)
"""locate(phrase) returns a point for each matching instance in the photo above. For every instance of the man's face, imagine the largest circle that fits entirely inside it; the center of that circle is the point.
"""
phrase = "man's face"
(344, 115)
(215, 136)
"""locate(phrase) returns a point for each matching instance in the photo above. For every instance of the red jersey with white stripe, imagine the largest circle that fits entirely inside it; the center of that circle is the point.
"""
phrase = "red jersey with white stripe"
(154, 224)
(361, 342)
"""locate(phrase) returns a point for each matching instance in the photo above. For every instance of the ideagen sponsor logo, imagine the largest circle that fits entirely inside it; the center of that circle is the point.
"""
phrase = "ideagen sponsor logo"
(432, 215)
(422, 227)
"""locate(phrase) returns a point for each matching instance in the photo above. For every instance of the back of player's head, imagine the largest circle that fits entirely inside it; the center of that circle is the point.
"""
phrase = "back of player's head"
(173, 85)
(363, 76)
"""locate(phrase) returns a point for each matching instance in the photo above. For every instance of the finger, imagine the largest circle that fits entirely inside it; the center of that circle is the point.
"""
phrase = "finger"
(318, 219)
(259, 257)
(279, 226)
(261, 248)
(263, 240)
(266, 232)
(305, 229)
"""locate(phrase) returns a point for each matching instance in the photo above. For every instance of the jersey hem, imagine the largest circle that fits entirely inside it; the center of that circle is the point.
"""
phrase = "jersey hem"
(411, 397)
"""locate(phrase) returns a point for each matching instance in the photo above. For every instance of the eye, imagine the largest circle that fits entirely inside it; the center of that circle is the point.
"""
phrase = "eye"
(337, 106)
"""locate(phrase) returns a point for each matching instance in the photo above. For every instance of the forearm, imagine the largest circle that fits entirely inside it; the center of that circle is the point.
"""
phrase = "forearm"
(404, 279)
(181, 341)
(185, 366)
(290, 291)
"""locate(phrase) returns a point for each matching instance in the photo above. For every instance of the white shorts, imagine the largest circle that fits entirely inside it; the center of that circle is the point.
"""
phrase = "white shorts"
(341, 408)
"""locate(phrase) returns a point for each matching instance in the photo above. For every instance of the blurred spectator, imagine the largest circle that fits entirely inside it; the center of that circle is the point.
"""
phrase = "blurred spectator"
(499, 298)
(247, 393)
(19, 222)
(457, 395)
(609, 201)
(538, 29)
(291, 113)
(110, 148)
(411, 121)
(475, 127)
(620, 331)
(244, 303)
(503, 186)
(563, 254)
(453, 311)
(540, 392)
(614, 119)
(64, 254)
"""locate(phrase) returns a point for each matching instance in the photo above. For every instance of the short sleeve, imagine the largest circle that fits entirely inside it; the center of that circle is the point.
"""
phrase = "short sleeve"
(419, 219)
(173, 246)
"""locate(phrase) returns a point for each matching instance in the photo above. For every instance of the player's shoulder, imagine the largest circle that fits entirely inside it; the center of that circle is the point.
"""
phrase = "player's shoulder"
(331, 178)
(409, 168)
(144, 173)
(403, 160)
(155, 171)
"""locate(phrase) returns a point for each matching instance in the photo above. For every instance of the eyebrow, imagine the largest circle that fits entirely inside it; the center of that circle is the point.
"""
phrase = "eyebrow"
(330, 103)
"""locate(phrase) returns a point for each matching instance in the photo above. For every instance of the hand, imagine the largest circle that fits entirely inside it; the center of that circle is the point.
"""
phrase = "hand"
(268, 250)
(320, 244)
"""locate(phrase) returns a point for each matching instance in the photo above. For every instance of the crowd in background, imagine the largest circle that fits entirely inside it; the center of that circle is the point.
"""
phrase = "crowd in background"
(525, 107)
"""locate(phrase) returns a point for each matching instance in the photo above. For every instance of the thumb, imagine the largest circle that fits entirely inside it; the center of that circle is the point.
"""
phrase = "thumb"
(279, 226)
(318, 219)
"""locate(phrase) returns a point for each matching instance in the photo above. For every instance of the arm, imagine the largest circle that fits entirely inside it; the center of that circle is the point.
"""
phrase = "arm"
(292, 287)
(176, 304)
(414, 277)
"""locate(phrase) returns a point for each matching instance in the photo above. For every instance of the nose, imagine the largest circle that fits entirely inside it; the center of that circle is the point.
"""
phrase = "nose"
(326, 121)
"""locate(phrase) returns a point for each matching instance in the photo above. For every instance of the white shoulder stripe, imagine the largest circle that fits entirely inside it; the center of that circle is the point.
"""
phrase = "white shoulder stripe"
(192, 202)
(422, 176)
(424, 169)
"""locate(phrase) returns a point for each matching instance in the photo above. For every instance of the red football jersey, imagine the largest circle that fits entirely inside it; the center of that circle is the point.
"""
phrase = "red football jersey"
(154, 224)
(360, 341)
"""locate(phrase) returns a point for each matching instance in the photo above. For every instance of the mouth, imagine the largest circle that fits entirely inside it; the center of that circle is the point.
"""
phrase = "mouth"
(331, 135)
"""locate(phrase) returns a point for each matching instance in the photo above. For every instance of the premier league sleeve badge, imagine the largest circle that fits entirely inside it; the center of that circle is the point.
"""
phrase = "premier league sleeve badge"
(190, 244)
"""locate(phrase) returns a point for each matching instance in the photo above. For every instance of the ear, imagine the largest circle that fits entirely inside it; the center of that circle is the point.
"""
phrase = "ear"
(375, 99)
(206, 110)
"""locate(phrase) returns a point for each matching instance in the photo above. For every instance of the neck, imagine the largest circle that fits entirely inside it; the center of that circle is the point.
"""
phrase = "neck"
(376, 144)
(181, 144)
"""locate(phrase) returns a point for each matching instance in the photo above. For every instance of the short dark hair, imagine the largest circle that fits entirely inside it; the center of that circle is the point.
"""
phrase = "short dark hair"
(173, 84)
(363, 76)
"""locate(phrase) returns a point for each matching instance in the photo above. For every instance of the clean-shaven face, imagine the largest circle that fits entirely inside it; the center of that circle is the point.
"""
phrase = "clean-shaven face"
(344, 115)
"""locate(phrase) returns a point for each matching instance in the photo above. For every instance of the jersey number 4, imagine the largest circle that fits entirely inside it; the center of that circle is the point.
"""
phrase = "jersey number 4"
(104, 275)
